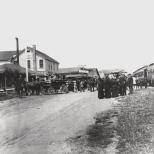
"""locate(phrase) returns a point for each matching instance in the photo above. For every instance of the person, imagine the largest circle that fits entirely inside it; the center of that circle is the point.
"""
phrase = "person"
(107, 87)
(81, 86)
(92, 85)
(78, 85)
(122, 83)
(130, 83)
(74, 86)
(19, 85)
(100, 88)
(38, 86)
(115, 87)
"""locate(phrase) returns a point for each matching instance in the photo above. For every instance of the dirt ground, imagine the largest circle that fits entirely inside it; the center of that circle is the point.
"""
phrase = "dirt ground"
(46, 124)
(78, 123)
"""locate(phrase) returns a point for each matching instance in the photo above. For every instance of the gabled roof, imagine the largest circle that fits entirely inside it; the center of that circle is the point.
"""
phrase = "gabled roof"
(6, 55)
(46, 56)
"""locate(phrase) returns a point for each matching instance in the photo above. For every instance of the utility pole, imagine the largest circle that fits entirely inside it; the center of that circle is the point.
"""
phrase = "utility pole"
(17, 47)
(26, 64)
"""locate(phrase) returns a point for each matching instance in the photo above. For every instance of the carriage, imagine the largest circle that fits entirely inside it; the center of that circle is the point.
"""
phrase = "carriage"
(59, 86)
(55, 86)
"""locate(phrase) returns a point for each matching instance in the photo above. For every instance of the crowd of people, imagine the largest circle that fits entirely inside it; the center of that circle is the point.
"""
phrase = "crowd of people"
(109, 86)
(114, 86)
(36, 86)
(80, 85)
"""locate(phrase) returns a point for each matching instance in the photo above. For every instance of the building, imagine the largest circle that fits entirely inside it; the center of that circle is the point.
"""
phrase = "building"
(105, 72)
(35, 60)
(93, 72)
(6, 57)
(78, 73)
(73, 72)
(140, 73)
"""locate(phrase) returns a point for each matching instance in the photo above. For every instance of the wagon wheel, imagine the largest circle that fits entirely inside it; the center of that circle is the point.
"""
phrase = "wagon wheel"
(50, 90)
(43, 91)
(65, 89)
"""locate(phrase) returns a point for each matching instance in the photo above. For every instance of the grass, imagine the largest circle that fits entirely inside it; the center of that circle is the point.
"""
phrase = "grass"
(130, 125)
(136, 122)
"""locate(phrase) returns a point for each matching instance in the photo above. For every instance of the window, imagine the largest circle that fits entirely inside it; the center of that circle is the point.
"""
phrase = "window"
(41, 63)
(28, 64)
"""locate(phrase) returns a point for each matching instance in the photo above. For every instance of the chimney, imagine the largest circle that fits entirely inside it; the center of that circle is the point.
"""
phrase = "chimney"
(34, 47)
(17, 46)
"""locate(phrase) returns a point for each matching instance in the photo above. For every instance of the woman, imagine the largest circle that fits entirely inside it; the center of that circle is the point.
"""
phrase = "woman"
(100, 88)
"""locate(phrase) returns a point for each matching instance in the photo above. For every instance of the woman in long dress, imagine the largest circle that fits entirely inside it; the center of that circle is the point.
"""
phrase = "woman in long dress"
(100, 88)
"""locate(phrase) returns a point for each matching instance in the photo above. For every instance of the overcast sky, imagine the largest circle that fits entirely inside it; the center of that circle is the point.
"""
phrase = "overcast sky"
(104, 34)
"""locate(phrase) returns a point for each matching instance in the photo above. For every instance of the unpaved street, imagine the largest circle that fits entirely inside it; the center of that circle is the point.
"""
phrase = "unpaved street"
(42, 124)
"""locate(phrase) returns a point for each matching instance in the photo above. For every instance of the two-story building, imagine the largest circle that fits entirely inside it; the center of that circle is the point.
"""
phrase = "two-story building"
(35, 60)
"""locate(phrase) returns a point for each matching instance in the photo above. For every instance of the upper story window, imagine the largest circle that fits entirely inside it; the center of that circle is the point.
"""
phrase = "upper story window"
(28, 64)
(41, 63)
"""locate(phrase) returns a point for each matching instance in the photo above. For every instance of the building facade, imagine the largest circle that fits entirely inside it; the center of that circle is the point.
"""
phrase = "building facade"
(34, 60)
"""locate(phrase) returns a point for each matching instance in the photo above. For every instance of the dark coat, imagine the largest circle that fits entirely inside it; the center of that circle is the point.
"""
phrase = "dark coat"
(108, 88)
(100, 89)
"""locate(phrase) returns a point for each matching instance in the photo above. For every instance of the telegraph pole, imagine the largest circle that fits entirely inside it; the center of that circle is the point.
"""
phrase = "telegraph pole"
(17, 47)
(26, 64)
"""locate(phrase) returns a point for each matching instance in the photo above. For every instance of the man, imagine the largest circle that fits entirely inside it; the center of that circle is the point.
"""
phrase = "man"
(114, 87)
(130, 83)
(19, 85)
(100, 88)
(107, 87)
(122, 83)
(38, 86)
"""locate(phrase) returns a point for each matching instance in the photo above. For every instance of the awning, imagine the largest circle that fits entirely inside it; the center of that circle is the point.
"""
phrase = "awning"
(76, 76)
(13, 68)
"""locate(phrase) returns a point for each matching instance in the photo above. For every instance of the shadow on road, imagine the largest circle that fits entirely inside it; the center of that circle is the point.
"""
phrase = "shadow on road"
(98, 136)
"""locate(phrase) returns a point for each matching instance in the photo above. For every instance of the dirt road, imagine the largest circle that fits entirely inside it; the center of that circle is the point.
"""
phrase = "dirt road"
(42, 124)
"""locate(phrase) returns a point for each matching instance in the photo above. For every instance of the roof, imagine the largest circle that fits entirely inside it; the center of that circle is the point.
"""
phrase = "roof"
(93, 72)
(13, 68)
(151, 64)
(76, 75)
(112, 71)
(47, 57)
(68, 70)
(140, 69)
(6, 55)
(71, 70)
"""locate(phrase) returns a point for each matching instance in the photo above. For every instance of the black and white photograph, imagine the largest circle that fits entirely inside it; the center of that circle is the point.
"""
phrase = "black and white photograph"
(76, 77)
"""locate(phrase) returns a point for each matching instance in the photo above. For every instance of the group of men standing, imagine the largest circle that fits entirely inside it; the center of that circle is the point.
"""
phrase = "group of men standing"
(82, 85)
(113, 87)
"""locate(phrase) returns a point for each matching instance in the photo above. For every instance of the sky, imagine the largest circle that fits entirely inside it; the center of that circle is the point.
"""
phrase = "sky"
(105, 34)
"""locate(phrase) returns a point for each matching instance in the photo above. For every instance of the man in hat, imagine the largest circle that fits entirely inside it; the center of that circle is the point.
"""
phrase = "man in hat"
(130, 83)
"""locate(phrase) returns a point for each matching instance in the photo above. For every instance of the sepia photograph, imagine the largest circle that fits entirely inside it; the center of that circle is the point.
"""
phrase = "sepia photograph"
(76, 77)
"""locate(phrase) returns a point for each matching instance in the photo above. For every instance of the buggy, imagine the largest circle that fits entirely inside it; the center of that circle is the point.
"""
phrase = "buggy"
(59, 86)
